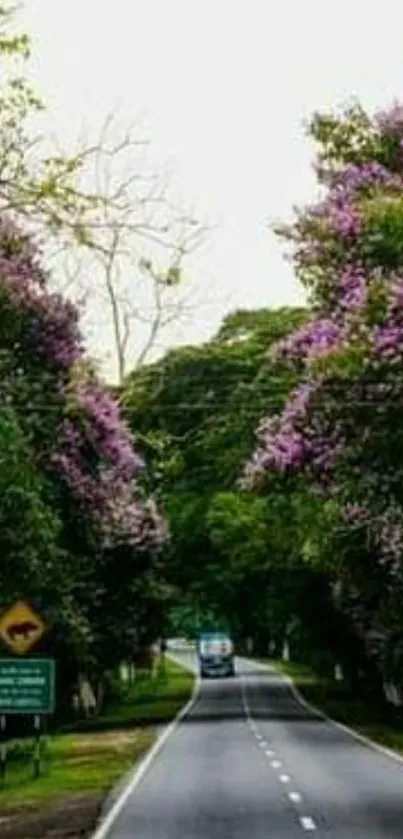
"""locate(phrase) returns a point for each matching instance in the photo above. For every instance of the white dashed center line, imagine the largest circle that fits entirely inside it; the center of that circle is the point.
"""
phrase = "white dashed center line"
(307, 823)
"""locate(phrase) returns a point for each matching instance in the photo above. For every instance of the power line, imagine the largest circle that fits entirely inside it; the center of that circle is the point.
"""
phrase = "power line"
(202, 406)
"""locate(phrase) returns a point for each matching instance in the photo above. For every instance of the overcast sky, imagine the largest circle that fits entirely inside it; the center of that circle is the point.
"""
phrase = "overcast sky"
(225, 86)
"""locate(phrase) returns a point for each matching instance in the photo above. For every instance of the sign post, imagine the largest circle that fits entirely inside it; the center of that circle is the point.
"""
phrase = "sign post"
(27, 685)
(3, 748)
(37, 747)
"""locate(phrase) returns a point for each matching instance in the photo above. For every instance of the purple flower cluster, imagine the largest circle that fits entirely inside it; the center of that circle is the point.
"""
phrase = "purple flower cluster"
(126, 521)
(352, 289)
(318, 337)
(387, 340)
(281, 443)
(106, 430)
(345, 220)
(93, 449)
(348, 182)
(357, 334)
(337, 219)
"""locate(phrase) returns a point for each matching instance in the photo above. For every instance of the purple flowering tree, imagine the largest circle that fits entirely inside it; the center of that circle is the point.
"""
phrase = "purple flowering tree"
(341, 431)
(103, 531)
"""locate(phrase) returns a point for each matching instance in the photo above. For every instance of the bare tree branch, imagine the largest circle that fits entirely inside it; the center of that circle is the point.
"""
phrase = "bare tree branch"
(104, 216)
(133, 227)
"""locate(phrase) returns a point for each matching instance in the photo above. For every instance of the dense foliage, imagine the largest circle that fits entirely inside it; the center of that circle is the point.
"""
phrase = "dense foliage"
(314, 552)
(341, 429)
(233, 557)
(77, 531)
(80, 537)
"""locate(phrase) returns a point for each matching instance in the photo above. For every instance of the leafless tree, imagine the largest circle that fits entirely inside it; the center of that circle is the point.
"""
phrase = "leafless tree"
(130, 262)
(106, 221)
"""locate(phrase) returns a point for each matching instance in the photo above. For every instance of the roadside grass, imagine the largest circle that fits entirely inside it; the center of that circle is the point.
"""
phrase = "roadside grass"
(92, 760)
(72, 764)
(375, 719)
(150, 701)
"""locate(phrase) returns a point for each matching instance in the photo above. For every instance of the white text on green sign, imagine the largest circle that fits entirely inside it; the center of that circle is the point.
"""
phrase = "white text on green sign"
(27, 686)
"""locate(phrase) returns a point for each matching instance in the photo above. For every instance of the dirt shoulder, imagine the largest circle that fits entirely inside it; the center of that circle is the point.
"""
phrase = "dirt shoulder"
(72, 817)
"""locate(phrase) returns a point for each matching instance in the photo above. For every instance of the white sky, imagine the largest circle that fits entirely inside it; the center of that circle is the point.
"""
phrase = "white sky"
(225, 86)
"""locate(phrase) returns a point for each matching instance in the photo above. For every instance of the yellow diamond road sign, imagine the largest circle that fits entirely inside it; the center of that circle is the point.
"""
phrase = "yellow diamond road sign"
(21, 628)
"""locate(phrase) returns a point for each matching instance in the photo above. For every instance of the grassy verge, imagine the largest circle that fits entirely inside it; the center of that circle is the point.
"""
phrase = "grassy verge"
(376, 720)
(85, 764)
(150, 702)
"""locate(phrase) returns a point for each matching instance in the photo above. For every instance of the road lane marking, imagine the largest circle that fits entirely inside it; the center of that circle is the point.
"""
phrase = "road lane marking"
(307, 823)
(245, 704)
(103, 829)
(269, 753)
(295, 797)
(361, 738)
(285, 779)
(275, 764)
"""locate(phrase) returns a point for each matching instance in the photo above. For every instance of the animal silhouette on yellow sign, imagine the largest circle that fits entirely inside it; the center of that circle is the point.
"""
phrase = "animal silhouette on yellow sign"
(21, 628)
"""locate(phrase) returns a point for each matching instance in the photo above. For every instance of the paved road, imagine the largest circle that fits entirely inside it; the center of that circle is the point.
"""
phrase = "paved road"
(251, 763)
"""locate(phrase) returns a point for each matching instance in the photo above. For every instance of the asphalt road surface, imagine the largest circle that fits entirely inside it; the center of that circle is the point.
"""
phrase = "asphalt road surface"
(249, 762)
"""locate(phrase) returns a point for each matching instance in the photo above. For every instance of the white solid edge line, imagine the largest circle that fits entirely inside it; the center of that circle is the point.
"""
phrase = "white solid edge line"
(347, 730)
(107, 822)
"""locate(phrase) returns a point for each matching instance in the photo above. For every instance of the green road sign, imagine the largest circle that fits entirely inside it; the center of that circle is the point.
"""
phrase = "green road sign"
(27, 686)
